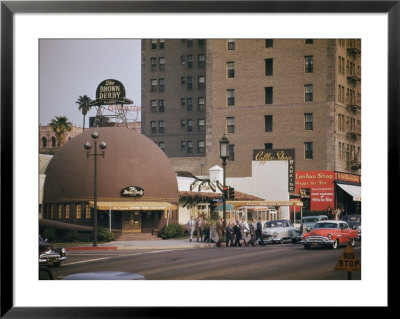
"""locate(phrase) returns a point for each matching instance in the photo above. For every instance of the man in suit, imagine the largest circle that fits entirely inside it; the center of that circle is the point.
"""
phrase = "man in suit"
(252, 233)
(191, 225)
(259, 232)
(200, 228)
(220, 231)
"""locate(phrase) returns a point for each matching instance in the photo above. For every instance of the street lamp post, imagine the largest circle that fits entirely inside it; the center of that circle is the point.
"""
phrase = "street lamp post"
(223, 153)
(87, 147)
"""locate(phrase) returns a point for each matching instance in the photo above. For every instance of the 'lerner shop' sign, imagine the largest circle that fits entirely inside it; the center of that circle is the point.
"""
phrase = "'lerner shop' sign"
(132, 191)
(278, 155)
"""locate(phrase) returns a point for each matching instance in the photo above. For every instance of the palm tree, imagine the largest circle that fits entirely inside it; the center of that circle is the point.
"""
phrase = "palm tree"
(84, 107)
(60, 125)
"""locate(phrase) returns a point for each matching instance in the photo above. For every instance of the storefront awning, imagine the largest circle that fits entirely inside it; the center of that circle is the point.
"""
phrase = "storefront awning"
(352, 190)
(133, 205)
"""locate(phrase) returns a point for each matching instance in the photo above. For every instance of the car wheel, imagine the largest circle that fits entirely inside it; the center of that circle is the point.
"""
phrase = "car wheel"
(307, 246)
(352, 242)
(335, 244)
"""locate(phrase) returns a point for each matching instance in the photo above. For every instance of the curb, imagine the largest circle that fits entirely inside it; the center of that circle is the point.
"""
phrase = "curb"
(92, 248)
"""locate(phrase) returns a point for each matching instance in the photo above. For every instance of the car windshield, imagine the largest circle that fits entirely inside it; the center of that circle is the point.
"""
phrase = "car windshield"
(325, 225)
(273, 224)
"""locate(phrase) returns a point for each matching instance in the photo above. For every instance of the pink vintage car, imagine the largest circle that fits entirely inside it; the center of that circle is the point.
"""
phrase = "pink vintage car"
(332, 233)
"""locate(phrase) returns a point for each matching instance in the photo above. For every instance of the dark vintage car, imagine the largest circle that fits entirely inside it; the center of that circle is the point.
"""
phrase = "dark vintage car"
(49, 255)
(354, 221)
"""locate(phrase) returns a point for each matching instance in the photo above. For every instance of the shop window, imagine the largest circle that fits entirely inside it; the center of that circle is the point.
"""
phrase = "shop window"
(60, 207)
(67, 216)
(52, 211)
(88, 212)
(78, 211)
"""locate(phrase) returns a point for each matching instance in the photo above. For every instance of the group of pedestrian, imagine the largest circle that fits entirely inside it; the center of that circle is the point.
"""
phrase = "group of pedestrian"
(196, 225)
(236, 231)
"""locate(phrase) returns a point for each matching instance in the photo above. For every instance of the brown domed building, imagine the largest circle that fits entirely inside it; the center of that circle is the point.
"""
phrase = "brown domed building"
(135, 183)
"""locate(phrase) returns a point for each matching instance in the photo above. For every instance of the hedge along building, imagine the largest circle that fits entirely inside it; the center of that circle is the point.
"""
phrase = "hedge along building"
(136, 184)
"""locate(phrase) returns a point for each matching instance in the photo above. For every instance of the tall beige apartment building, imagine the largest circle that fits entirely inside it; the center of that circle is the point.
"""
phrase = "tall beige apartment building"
(301, 94)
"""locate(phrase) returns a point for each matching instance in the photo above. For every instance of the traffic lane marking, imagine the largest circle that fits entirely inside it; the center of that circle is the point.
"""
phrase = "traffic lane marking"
(113, 256)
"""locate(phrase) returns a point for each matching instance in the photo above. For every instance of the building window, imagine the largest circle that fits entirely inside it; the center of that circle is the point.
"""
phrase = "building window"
(183, 123)
(308, 150)
(230, 124)
(53, 141)
(190, 104)
(308, 64)
(231, 44)
(268, 146)
(161, 64)
(189, 125)
(201, 60)
(78, 212)
(44, 142)
(183, 101)
(268, 123)
(190, 61)
(153, 62)
(308, 92)
(153, 85)
(200, 43)
(201, 125)
(269, 66)
(161, 83)
(230, 67)
(189, 83)
(308, 121)
(231, 152)
(202, 105)
(161, 126)
(183, 145)
(189, 146)
(67, 211)
(153, 125)
(153, 44)
(154, 106)
(202, 82)
(183, 59)
(161, 145)
(189, 43)
(231, 97)
(268, 95)
(60, 207)
(200, 147)
(269, 43)
(52, 211)
(309, 41)
(161, 106)
(88, 212)
(162, 44)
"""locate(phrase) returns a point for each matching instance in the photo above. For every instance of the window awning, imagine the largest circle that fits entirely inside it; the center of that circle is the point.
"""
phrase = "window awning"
(123, 205)
(352, 190)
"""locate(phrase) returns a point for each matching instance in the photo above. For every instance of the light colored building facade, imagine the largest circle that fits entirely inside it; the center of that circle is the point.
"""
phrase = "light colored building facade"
(48, 141)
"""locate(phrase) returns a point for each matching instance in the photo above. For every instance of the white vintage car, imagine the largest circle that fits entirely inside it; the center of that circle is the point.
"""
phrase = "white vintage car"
(278, 231)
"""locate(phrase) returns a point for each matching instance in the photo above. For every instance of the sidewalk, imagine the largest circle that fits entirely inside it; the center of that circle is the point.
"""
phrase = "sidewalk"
(146, 244)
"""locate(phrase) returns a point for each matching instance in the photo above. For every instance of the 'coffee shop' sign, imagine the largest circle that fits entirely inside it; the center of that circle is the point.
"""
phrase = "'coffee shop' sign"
(263, 156)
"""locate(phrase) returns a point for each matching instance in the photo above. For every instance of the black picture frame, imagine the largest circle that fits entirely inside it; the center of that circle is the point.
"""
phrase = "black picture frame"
(9, 8)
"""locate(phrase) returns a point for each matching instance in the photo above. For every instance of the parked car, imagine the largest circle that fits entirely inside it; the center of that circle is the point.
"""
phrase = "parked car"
(49, 255)
(331, 233)
(354, 221)
(104, 275)
(308, 222)
(277, 231)
(45, 273)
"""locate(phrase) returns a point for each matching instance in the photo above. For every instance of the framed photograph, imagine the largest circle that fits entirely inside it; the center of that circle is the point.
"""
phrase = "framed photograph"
(24, 24)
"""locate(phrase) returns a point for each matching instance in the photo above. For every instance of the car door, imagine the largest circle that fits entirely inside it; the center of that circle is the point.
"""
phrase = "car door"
(346, 234)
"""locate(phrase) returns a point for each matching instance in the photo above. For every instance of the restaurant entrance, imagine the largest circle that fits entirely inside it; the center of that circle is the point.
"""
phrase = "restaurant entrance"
(131, 222)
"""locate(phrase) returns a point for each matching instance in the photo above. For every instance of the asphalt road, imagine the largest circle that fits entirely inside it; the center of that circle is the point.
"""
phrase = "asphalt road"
(272, 262)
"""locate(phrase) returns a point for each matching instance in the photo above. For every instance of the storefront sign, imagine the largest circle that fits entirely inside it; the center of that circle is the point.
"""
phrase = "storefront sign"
(263, 156)
(110, 92)
(319, 185)
(348, 177)
(132, 191)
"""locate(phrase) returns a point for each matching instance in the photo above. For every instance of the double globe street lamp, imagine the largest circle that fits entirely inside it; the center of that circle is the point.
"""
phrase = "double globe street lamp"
(223, 153)
(87, 147)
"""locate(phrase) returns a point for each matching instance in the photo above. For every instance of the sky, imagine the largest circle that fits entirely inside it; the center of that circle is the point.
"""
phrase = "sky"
(69, 68)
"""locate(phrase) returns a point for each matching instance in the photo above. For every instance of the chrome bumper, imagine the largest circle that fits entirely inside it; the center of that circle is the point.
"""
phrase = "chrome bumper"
(51, 258)
(317, 240)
